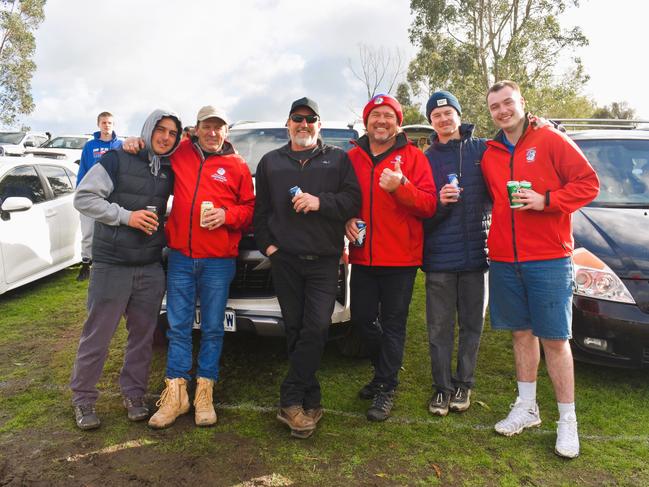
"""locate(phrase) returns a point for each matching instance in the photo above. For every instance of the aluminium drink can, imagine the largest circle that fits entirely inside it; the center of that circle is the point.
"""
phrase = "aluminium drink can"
(205, 206)
(362, 232)
(152, 209)
(525, 185)
(294, 191)
(453, 180)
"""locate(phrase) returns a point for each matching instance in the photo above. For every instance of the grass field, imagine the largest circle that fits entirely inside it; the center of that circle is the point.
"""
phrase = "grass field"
(39, 444)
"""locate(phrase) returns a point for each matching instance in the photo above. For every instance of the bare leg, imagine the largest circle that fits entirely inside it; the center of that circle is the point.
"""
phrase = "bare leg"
(558, 358)
(527, 355)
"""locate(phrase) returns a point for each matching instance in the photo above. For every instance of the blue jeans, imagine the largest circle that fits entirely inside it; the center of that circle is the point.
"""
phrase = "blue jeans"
(534, 295)
(209, 280)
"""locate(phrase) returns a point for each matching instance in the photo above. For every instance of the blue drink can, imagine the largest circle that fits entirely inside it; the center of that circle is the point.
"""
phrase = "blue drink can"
(294, 191)
(362, 232)
(453, 180)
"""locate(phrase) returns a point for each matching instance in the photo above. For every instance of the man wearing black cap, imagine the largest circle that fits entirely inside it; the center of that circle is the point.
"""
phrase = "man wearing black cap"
(455, 260)
(306, 191)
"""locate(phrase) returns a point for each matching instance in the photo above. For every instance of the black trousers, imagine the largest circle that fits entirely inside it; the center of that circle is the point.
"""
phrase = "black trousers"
(384, 293)
(306, 290)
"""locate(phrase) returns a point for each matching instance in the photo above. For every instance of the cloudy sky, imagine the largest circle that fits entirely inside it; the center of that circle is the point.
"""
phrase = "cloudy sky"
(253, 57)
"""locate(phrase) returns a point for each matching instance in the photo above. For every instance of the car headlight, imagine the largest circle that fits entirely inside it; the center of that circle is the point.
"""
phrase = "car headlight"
(594, 279)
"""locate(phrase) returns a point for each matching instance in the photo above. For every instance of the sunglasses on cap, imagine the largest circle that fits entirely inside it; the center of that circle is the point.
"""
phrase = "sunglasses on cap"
(299, 118)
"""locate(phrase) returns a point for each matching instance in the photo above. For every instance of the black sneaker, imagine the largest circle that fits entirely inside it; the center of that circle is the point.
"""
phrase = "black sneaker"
(84, 272)
(86, 417)
(461, 399)
(439, 403)
(368, 391)
(136, 408)
(381, 405)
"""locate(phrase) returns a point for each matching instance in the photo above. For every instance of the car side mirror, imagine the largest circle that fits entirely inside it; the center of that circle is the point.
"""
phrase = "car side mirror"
(14, 204)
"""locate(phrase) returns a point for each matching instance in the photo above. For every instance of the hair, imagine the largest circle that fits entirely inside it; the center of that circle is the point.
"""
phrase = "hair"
(104, 114)
(503, 84)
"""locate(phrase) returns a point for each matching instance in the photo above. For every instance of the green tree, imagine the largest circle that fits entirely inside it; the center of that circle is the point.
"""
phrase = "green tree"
(467, 45)
(411, 112)
(618, 110)
(18, 21)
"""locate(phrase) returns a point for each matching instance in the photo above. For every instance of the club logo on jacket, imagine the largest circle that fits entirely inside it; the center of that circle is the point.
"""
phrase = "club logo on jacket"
(530, 155)
(219, 175)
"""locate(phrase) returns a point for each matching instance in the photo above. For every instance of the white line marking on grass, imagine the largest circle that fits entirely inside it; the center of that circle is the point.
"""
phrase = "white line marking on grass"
(112, 449)
(353, 415)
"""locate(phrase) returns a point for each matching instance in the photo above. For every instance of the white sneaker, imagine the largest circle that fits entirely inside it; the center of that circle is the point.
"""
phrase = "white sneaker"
(567, 438)
(520, 417)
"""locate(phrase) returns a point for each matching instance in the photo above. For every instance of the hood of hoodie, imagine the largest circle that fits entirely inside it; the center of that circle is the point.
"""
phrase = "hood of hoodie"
(147, 132)
(97, 135)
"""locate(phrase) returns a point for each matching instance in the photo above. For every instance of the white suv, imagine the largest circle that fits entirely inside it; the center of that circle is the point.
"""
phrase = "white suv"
(252, 305)
(15, 143)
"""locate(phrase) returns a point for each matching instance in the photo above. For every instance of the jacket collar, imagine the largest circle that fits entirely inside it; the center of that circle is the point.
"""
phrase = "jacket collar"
(363, 143)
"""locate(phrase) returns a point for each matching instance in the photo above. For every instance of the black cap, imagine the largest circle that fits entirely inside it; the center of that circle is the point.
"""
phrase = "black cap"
(305, 102)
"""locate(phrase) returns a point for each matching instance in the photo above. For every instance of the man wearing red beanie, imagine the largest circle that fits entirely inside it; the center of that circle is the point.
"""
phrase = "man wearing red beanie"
(397, 193)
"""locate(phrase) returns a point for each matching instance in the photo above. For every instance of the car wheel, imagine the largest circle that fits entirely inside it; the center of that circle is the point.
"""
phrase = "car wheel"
(351, 344)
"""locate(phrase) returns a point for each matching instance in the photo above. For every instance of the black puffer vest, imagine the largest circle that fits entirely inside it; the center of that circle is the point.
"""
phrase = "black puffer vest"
(135, 189)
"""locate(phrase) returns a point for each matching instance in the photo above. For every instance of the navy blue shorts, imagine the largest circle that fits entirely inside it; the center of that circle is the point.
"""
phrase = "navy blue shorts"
(534, 295)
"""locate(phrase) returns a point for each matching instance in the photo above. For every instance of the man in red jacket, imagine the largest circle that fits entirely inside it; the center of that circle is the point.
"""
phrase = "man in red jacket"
(397, 193)
(203, 248)
(530, 247)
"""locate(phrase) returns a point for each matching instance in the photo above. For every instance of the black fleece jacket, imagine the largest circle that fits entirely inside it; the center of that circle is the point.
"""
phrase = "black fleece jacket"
(328, 174)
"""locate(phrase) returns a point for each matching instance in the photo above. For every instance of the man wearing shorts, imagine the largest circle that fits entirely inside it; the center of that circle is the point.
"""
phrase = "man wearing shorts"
(530, 248)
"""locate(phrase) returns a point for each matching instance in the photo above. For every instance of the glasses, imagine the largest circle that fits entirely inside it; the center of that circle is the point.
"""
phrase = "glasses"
(299, 118)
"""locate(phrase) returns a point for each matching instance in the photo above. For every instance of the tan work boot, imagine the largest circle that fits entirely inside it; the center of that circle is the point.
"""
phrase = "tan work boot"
(302, 426)
(204, 408)
(173, 402)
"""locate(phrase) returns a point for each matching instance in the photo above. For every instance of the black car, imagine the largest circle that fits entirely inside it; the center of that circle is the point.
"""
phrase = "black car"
(611, 300)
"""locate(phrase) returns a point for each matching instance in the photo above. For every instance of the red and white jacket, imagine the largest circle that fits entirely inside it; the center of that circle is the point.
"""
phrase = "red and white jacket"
(557, 169)
(394, 220)
(225, 180)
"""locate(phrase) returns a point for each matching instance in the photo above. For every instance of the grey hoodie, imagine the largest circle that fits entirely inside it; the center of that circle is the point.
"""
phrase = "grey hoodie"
(92, 194)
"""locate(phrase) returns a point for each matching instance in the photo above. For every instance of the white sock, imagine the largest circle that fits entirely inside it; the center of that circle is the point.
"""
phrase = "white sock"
(567, 411)
(527, 392)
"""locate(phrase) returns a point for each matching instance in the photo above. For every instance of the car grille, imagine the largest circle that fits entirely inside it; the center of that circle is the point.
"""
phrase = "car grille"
(249, 282)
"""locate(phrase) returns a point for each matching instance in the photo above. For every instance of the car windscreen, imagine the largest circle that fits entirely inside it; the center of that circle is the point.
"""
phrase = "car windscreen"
(623, 170)
(65, 143)
(11, 137)
(252, 144)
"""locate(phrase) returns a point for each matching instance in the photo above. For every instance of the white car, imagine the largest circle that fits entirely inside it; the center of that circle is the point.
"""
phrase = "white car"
(15, 143)
(39, 227)
(64, 147)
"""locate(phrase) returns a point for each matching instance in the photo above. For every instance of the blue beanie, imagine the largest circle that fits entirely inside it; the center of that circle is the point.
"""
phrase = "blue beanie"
(440, 99)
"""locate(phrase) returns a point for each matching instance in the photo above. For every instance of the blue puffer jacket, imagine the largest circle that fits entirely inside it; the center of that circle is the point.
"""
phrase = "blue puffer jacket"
(455, 238)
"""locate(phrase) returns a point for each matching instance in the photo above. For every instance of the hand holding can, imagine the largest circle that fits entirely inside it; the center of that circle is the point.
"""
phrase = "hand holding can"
(205, 207)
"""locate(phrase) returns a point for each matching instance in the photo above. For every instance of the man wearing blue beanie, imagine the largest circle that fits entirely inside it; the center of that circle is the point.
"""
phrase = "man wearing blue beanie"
(455, 259)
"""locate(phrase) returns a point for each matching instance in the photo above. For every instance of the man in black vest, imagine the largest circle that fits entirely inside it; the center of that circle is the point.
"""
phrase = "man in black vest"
(126, 278)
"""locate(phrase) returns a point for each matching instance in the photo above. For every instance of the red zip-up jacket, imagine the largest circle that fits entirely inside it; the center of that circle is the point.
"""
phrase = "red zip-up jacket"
(225, 180)
(395, 234)
(557, 169)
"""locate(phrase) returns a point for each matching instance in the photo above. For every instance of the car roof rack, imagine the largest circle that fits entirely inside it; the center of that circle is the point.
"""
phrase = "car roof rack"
(602, 123)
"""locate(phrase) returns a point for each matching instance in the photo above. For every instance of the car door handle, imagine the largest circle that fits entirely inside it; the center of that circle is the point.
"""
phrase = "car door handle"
(50, 213)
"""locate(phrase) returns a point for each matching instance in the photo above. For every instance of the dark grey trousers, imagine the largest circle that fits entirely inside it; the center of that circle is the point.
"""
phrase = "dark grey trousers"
(115, 291)
(446, 294)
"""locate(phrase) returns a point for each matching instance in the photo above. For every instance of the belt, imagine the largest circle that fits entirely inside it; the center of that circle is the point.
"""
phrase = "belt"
(308, 257)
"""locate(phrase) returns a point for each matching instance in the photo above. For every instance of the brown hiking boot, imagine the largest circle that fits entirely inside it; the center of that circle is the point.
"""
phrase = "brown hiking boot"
(173, 402)
(204, 414)
(314, 413)
(302, 426)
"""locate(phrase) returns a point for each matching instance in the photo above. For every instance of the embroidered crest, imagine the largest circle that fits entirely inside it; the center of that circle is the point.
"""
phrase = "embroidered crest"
(326, 161)
(530, 155)
(219, 175)
(378, 100)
